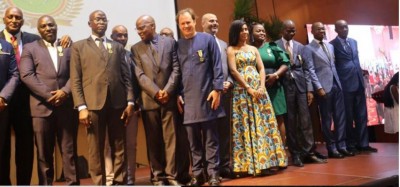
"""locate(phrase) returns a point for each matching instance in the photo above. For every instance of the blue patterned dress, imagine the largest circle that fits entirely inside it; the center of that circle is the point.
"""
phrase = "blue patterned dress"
(257, 144)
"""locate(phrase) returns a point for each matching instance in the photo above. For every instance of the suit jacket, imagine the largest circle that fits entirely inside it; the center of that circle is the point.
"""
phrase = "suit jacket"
(150, 81)
(224, 60)
(9, 75)
(25, 37)
(94, 76)
(40, 76)
(322, 68)
(348, 65)
(298, 70)
(135, 83)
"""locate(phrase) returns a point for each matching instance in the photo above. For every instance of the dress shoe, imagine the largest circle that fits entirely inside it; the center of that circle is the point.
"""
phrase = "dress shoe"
(196, 182)
(345, 152)
(368, 149)
(158, 183)
(316, 160)
(226, 173)
(173, 182)
(319, 155)
(335, 154)
(354, 150)
(214, 181)
(297, 162)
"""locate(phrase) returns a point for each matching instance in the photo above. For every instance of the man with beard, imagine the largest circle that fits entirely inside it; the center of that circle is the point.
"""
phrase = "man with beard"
(210, 25)
(19, 110)
(45, 71)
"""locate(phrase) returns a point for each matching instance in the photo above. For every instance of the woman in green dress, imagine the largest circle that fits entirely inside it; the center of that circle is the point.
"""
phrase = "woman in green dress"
(276, 64)
(256, 144)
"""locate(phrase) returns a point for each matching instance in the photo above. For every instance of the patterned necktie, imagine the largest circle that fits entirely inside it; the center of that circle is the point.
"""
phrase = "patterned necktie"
(101, 46)
(347, 46)
(14, 43)
(289, 51)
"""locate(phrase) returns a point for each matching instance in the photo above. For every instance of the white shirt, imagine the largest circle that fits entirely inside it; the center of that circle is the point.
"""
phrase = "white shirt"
(53, 53)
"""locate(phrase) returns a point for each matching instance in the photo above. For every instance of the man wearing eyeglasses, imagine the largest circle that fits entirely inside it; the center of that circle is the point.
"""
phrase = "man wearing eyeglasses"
(157, 71)
(102, 91)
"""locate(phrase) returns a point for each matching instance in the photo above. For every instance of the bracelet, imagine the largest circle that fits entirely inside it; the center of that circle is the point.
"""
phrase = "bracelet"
(247, 86)
(277, 76)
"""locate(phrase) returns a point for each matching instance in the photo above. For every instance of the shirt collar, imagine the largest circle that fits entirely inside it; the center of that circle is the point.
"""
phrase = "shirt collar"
(342, 40)
(49, 44)
(8, 35)
(103, 37)
(285, 41)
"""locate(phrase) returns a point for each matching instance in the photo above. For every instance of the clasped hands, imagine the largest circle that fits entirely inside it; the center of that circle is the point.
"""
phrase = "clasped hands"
(58, 98)
(3, 104)
(259, 93)
(162, 96)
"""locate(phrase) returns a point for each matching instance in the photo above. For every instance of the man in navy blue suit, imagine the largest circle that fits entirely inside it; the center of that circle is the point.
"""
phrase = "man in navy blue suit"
(9, 80)
(350, 75)
(319, 58)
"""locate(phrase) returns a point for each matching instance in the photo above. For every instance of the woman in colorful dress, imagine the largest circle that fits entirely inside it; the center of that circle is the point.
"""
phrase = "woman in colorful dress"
(257, 145)
(276, 64)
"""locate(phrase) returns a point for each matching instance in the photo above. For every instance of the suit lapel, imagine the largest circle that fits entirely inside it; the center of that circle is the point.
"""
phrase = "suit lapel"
(160, 50)
(93, 45)
(320, 52)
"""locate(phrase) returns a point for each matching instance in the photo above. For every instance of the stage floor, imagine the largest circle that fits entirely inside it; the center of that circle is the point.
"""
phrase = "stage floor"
(350, 171)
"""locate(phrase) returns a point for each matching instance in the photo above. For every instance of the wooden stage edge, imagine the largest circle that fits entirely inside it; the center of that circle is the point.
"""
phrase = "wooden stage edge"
(377, 169)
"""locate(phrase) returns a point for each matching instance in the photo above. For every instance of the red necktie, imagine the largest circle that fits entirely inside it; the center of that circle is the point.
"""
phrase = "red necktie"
(14, 43)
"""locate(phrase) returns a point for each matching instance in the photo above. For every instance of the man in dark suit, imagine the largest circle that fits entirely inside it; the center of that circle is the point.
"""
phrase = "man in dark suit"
(9, 79)
(299, 130)
(19, 110)
(120, 35)
(101, 88)
(319, 58)
(210, 25)
(44, 69)
(20, 117)
(351, 76)
(157, 70)
(202, 84)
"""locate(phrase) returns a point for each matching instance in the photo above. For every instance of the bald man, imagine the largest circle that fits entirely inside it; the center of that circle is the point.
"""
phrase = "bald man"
(157, 71)
(351, 76)
(167, 32)
(319, 58)
(102, 91)
(299, 129)
(120, 35)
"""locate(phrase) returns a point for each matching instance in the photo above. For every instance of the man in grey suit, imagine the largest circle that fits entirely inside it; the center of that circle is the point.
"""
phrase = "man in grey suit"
(210, 25)
(298, 124)
(45, 71)
(9, 79)
(351, 76)
(157, 71)
(101, 88)
(319, 58)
